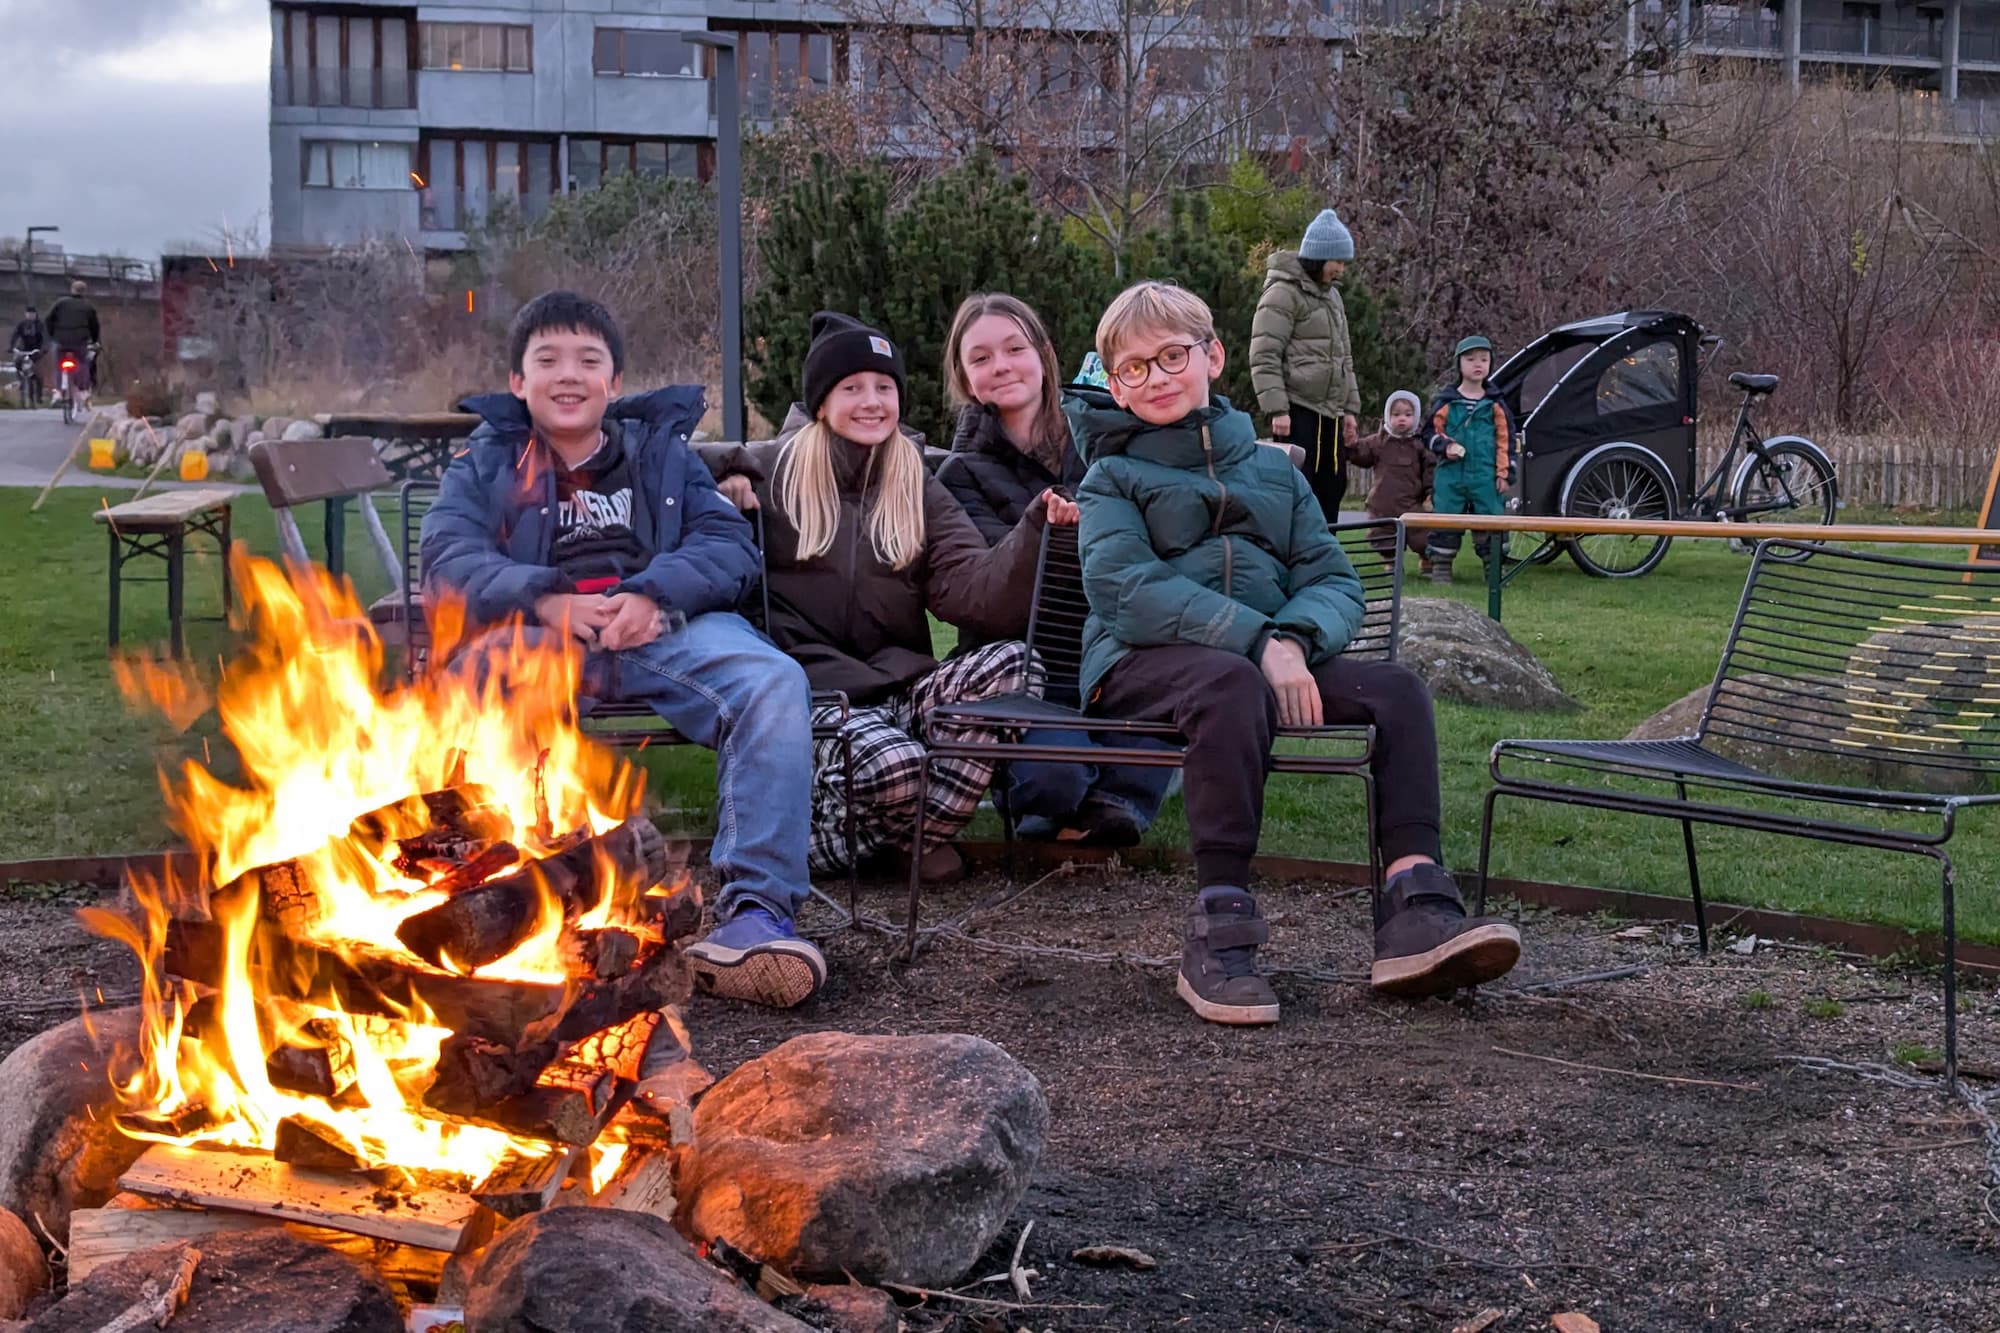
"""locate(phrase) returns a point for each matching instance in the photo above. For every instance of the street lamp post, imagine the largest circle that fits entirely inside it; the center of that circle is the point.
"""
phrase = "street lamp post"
(729, 186)
(28, 261)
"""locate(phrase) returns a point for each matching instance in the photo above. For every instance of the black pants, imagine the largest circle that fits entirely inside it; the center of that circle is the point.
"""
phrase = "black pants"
(1326, 457)
(1222, 704)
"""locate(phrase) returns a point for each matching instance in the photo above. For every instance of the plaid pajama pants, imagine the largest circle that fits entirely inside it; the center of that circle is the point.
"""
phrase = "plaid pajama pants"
(888, 751)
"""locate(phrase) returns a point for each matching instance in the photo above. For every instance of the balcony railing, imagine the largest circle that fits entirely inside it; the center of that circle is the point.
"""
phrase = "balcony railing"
(372, 89)
(1737, 32)
(1866, 37)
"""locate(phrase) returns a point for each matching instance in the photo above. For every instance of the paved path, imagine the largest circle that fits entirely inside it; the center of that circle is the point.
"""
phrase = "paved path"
(32, 447)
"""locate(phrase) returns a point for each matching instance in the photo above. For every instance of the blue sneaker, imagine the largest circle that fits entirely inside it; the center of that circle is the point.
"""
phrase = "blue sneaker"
(758, 957)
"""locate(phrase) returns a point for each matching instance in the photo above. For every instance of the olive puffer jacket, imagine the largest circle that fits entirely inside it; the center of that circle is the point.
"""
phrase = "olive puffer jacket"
(1192, 533)
(1299, 347)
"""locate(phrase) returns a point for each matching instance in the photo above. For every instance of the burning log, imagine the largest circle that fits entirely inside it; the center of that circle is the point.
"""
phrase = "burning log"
(303, 1141)
(605, 954)
(473, 1072)
(474, 1077)
(512, 1013)
(483, 924)
(521, 1185)
(325, 1069)
(183, 1122)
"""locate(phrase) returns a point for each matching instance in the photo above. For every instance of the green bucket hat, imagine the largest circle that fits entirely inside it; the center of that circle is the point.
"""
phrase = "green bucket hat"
(1476, 343)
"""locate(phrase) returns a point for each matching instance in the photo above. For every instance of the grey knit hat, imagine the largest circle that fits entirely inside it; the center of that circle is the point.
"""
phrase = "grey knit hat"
(1327, 238)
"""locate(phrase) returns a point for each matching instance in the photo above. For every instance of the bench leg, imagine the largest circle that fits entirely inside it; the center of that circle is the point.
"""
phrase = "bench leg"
(117, 569)
(176, 548)
(225, 541)
(1694, 870)
(1485, 847)
(1950, 973)
(917, 860)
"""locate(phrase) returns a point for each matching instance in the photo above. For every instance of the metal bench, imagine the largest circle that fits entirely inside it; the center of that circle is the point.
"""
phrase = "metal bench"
(1865, 676)
(1055, 638)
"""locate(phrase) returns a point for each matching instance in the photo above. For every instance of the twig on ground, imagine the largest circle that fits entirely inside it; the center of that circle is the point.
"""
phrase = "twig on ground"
(929, 1294)
(1507, 1266)
(157, 1302)
(1014, 1273)
(1928, 1145)
(60, 1249)
(1628, 1073)
(1580, 979)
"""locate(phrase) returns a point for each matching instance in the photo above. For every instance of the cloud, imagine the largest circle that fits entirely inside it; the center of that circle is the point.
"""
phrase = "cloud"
(133, 124)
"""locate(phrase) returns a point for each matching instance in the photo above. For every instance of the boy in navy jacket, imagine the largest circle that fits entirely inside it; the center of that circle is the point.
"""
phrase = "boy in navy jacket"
(584, 514)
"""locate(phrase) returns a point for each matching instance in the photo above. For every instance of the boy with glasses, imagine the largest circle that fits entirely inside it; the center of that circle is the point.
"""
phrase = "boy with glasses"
(1220, 603)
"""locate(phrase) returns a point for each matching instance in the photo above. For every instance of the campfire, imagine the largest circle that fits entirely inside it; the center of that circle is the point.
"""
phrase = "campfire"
(432, 939)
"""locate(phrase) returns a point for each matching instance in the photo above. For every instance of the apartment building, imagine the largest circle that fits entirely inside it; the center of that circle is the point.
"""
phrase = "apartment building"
(410, 121)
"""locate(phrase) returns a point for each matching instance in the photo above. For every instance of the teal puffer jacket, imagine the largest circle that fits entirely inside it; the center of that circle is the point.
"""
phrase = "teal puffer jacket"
(1193, 533)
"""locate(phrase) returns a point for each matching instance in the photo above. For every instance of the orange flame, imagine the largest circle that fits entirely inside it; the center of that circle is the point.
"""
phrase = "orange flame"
(320, 744)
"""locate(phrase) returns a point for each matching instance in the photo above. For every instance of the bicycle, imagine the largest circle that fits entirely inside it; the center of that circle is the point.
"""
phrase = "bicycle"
(28, 377)
(71, 393)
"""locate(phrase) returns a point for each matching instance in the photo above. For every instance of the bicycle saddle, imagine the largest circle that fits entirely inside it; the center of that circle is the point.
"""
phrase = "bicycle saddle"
(1754, 383)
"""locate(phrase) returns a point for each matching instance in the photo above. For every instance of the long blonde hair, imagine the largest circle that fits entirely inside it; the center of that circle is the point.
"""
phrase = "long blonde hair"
(809, 495)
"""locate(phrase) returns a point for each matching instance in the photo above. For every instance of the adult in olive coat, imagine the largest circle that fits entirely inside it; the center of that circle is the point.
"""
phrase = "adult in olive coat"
(1302, 360)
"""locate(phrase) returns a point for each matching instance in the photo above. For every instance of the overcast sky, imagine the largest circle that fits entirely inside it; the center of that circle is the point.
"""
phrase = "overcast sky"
(134, 124)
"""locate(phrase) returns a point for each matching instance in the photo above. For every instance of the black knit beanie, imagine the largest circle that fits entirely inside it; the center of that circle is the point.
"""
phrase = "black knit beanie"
(843, 346)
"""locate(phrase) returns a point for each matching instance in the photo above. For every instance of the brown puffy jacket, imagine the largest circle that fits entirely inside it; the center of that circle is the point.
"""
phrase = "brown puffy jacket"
(1403, 468)
(851, 621)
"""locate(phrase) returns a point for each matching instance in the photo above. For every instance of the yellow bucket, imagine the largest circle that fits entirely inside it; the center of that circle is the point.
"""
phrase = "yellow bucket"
(194, 465)
(103, 454)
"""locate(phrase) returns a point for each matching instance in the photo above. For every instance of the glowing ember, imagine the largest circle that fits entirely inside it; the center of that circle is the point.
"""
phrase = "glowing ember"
(358, 807)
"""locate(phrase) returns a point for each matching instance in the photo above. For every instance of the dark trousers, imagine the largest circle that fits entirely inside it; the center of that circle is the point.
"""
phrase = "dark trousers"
(1222, 704)
(1326, 457)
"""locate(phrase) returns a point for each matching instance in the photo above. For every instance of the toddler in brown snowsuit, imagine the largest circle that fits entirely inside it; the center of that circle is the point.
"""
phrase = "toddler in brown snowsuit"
(1402, 465)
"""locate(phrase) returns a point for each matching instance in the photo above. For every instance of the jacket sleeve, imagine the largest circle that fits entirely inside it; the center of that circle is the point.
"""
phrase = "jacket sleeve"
(1326, 603)
(1427, 466)
(731, 459)
(459, 551)
(1440, 413)
(1137, 595)
(1270, 333)
(96, 335)
(1361, 452)
(716, 560)
(957, 477)
(988, 591)
(1504, 464)
(1346, 391)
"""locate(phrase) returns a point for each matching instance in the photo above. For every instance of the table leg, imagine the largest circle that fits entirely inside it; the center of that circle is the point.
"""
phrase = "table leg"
(176, 547)
(225, 542)
(336, 534)
(117, 567)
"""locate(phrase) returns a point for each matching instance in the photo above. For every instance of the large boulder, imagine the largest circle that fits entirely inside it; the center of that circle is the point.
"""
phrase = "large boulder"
(300, 430)
(207, 403)
(848, 1308)
(23, 1273)
(1467, 657)
(59, 1150)
(191, 426)
(883, 1159)
(585, 1270)
(133, 437)
(267, 1280)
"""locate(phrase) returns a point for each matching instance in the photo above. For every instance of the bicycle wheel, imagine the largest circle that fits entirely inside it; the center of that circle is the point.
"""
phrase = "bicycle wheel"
(68, 407)
(1797, 476)
(1618, 481)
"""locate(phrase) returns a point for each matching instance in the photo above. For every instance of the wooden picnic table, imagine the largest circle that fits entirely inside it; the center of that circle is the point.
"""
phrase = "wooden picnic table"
(158, 525)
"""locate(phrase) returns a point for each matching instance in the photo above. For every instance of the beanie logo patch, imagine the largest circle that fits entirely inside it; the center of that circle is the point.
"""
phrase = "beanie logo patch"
(880, 346)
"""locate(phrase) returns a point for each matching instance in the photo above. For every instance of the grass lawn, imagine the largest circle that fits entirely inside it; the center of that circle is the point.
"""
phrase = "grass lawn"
(80, 766)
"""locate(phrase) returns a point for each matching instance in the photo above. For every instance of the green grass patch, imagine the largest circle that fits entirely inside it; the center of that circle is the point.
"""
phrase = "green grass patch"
(80, 768)
(1756, 999)
(1824, 1007)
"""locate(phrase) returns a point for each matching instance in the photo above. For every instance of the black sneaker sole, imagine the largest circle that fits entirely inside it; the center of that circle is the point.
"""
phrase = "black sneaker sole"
(1232, 1015)
(1477, 956)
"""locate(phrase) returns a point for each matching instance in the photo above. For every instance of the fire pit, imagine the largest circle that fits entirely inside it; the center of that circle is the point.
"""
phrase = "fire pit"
(433, 939)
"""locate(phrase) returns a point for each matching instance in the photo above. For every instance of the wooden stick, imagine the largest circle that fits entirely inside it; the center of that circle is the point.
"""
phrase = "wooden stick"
(1015, 1275)
(1581, 978)
(157, 1303)
(522, 1184)
(981, 1301)
(1630, 1073)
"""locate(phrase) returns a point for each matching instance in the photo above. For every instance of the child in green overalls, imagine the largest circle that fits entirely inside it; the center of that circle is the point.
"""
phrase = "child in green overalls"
(1473, 438)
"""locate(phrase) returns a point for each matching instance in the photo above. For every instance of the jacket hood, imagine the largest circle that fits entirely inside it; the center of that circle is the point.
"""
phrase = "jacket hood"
(506, 417)
(1101, 429)
(1416, 407)
(1283, 266)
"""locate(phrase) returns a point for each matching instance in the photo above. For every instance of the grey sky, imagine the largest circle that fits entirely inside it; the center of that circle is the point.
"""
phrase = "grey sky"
(134, 124)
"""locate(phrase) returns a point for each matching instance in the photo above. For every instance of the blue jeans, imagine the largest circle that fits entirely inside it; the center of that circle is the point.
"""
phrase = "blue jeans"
(724, 686)
(1056, 791)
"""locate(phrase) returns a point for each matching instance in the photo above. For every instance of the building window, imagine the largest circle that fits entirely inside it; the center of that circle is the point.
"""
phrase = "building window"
(595, 161)
(461, 177)
(775, 64)
(339, 164)
(643, 51)
(343, 59)
(477, 46)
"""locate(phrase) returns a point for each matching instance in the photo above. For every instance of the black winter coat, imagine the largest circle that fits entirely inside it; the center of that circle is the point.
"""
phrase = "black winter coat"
(993, 481)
